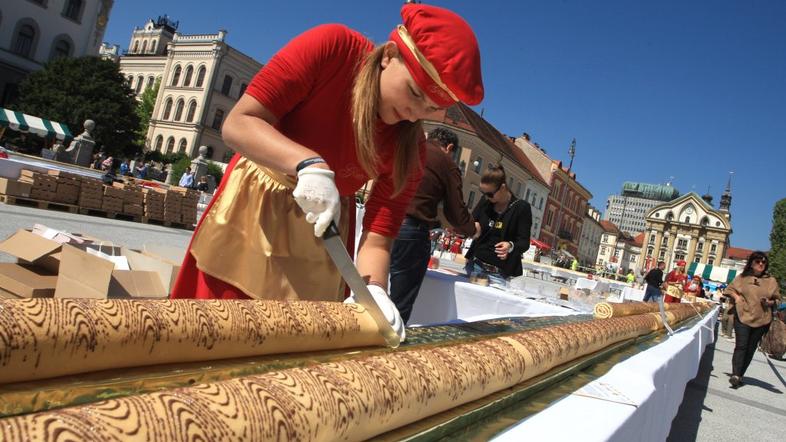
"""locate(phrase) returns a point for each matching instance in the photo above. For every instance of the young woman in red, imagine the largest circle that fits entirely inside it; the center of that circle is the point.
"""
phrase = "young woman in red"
(326, 114)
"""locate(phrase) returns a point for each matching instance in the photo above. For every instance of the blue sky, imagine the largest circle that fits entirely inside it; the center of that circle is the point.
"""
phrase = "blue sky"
(650, 90)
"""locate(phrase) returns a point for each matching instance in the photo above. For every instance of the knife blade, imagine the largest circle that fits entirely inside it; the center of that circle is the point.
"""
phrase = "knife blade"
(338, 253)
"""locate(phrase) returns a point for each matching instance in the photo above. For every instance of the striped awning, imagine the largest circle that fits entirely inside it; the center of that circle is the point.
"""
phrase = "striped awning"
(34, 125)
(712, 273)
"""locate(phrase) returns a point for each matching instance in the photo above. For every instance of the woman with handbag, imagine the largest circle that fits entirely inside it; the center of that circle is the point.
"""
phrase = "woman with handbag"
(754, 292)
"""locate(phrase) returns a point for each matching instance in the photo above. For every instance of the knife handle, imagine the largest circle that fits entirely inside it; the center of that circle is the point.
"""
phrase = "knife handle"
(331, 231)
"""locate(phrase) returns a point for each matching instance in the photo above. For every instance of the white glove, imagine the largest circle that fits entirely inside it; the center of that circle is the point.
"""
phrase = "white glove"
(317, 195)
(388, 309)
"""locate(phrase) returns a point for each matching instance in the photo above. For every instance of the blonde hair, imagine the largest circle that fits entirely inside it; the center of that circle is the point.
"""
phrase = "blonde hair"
(365, 109)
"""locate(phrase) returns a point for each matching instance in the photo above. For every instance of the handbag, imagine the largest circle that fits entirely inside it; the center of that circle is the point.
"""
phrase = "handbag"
(774, 341)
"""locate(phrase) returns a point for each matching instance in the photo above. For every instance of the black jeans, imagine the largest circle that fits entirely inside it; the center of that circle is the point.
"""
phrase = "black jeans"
(408, 265)
(747, 339)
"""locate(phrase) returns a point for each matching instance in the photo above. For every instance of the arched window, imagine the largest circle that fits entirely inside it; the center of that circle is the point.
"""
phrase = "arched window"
(200, 76)
(179, 110)
(159, 142)
(140, 80)
(61, 48)
(218, 118)
(136, 47)
(227, 86)
(243, 87)
(170, 144)
(187, 77)
(153, 46)
(191, 112)
(144, 47)
(176, 76)
(25, 41)
(167, 109)
(73, 9)
(150, 82)
(130, 80)
(182, 146)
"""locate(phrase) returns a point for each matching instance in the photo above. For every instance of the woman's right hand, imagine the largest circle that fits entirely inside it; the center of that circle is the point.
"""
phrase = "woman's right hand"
(317, 195)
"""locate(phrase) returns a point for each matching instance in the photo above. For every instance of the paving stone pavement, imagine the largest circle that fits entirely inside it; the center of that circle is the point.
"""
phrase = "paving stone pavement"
(713, 411)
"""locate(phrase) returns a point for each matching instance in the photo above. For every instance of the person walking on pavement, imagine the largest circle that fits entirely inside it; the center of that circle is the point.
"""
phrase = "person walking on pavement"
(754, 292)
(326, 114)
(441, 184)
(654, 280)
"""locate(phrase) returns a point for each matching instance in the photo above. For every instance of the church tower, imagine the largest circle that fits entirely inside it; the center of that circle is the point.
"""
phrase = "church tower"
(725, 200)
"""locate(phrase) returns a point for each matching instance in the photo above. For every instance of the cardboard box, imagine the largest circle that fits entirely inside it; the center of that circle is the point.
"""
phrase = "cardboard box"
(85, 275)
(15, 188)
(26, 281)
(30, 248)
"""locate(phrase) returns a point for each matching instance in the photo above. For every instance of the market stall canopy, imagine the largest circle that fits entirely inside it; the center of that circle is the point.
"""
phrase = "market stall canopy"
(27, 123)
(712, 273)
(539, 244)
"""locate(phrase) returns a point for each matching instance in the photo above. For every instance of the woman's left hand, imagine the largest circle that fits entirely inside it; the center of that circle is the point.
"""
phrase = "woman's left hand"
(502, 249)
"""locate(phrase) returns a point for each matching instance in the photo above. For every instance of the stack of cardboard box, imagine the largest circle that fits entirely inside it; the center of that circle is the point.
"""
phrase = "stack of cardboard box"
(113, 199)
(68, 185)
(133, 198)
(154, 204)
(188, 204)
(44, 185)
(91, 193)
(52, 263)
(173, 206)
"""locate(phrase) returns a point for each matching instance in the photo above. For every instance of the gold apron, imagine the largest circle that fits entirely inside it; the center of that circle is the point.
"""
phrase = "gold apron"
(256, 238)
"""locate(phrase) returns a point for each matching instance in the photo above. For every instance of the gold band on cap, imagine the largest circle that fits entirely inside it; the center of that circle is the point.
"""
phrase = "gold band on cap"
(424, 63)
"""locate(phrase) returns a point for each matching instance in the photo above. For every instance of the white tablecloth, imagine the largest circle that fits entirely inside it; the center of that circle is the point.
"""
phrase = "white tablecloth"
(636, 400)
(631, 294)
(447, 298)
(592, 284)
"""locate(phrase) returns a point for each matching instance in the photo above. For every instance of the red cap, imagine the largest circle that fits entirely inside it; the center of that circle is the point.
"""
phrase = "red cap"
(680, 263)
(441, 52)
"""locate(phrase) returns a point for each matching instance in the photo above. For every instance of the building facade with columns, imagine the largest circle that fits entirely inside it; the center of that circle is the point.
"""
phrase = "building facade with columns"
(591, 233)
(33, 32)
(201, 78)
(687, 228)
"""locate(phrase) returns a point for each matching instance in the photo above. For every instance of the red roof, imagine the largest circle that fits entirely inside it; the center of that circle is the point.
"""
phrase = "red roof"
(638, 241)
(738, 253)
(610, 227)
(464, 117)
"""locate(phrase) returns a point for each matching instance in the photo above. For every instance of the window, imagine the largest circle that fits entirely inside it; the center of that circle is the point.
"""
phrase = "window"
(187, 77)
(150, 82)
(144, 47)
(191, 112)
(136, 46)
(664, 241)
(687, 220)
(682, 243)
(528, 192)
(713, 248)
(200, 76)
(182, 146)
(652, 238)
(700, 246)
(170, 144)
(153, 46)
(176, 76)
(139, 82)
(662, 255)
(540, 206)
(130, 80)
(218, 118)
(227, 86)
(167, 109)
(697, 259)
(478, 164)
(603, 250)
(710, 261)
(242, 90)
(650, 251)
(61, 48)
(73, 9)
(25, 40)
(471, 199)
(179, 110)
(159, 142)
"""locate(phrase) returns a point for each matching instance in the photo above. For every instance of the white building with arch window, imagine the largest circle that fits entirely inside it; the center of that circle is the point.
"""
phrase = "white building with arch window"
(201, 76)
(33, 32)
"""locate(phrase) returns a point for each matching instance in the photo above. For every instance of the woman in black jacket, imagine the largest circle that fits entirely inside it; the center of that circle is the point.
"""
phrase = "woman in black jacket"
(503, 222)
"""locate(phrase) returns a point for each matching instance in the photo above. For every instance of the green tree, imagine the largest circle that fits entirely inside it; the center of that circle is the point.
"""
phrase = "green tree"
(144, 110)
(72, 90)
(778, 244)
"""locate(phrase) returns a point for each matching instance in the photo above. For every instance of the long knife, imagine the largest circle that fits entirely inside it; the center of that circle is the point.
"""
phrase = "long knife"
(337, 251)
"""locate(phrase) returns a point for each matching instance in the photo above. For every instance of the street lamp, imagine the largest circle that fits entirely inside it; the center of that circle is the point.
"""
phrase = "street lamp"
(572, 153)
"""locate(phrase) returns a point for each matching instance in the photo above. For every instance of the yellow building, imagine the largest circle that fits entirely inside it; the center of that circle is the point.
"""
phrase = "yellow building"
(687, 228)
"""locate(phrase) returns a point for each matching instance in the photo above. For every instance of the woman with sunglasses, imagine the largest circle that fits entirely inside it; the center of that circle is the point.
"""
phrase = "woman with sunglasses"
(503, 222)
(754, 293)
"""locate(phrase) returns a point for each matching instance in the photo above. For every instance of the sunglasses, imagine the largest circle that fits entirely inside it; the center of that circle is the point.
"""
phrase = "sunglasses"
(760, 261)
(491, 194)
